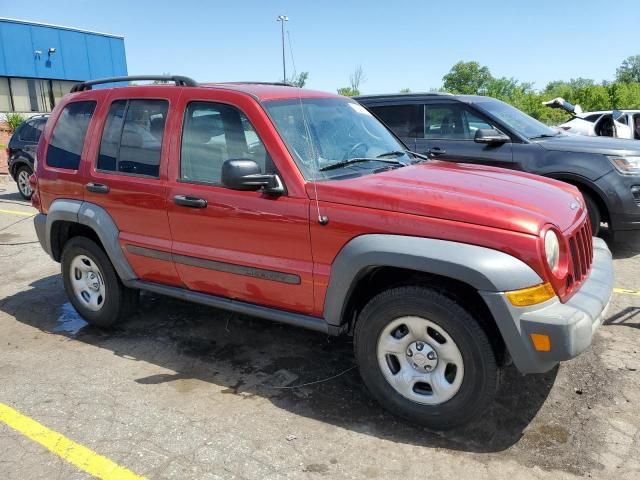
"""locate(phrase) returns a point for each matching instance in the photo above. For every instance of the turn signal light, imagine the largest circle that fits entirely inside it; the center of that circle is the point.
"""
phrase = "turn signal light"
(531, 295)
(542, 343)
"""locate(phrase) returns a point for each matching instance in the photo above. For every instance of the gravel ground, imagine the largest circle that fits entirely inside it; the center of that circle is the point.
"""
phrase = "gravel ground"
(187, 392)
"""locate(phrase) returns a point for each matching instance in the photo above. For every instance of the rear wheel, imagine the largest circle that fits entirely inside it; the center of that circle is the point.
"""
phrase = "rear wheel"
(595, 217)
(92, 284)
(425, 358)
(22, 179)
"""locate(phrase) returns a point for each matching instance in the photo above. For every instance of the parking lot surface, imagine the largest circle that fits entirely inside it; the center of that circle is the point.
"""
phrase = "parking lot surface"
(188, 392)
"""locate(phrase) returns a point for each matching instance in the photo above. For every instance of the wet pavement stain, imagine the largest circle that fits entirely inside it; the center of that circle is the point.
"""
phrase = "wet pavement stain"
(69, 321)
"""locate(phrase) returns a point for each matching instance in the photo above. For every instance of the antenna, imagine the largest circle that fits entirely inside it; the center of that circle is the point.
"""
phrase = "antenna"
(293, 61)
(322, 219)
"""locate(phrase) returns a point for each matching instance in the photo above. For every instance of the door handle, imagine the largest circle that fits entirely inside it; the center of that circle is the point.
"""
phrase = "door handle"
(97, 187)
(192, 202)
(436, 151)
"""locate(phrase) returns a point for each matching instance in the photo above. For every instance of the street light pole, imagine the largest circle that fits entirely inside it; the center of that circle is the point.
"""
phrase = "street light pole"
(282, 19)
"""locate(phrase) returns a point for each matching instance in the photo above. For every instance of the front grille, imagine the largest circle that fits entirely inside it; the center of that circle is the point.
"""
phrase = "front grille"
(581, 249)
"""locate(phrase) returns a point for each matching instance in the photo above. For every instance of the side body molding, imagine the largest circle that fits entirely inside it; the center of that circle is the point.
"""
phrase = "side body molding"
(99, 221)
(482, 268)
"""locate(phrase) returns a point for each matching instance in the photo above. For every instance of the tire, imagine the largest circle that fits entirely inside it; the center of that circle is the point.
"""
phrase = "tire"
(22, 180)
(92, 284)
(460, 397)
(595, 216)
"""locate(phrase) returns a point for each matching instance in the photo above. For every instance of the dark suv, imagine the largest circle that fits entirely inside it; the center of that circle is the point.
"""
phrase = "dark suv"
(301, 207)
(22, 152)
(476, 129)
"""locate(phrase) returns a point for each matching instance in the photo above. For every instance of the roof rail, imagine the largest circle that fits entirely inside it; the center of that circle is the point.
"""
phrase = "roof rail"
(277, 84)
(177, 79)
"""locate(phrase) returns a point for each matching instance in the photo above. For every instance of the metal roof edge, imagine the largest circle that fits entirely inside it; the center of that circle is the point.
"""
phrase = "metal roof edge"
(61, 27)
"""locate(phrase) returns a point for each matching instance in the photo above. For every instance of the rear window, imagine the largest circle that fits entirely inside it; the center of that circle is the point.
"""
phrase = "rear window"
(31, 130)
(68, 135)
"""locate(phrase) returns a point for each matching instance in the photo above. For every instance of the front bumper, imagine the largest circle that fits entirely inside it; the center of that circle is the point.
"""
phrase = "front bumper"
(570, 325)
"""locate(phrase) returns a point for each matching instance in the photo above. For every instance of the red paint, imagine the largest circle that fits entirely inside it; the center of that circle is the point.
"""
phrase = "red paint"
(490, 207)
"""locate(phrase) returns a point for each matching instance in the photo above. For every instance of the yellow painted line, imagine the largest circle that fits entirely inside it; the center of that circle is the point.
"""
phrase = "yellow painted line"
(17, 212)
(74, 453)
(626, 291)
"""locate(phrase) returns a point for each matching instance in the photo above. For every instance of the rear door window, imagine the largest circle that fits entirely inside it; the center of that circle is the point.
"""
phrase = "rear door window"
(132, 137)
(67, 140)
(405, 121)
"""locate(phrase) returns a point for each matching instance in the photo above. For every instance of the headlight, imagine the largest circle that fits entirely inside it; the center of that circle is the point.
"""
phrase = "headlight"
(626, 165)
(552, 249)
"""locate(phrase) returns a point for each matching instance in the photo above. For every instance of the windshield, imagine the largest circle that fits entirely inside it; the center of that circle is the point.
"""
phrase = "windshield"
(518, 121)
(325, 132)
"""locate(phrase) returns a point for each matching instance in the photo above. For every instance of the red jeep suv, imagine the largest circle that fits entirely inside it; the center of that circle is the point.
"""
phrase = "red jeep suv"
(300, 207)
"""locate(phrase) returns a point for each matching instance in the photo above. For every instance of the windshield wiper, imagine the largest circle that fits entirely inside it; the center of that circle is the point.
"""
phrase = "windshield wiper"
(545, 135)
(397, 153)
(394, 153)
(351, 161)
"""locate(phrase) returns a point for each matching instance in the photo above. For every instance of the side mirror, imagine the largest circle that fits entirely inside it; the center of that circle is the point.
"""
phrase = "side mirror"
(245, 174)
(490, 136)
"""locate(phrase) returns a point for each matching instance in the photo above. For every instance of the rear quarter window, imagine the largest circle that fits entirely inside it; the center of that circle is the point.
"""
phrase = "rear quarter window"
(31, 130)
(67, 139)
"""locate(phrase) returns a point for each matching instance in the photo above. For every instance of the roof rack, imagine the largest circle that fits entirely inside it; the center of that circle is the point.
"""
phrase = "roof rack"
(177, 79)
(277, 84)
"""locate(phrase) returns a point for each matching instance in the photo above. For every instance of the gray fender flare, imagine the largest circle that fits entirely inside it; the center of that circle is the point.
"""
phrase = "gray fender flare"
(96, 218)
(482, 268)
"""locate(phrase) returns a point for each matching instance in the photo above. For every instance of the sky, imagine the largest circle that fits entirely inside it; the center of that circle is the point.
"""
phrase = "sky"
(399, 43)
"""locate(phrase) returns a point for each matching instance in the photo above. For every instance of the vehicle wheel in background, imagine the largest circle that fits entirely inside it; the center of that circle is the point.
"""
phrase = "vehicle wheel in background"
(22, 179)
(595, 217)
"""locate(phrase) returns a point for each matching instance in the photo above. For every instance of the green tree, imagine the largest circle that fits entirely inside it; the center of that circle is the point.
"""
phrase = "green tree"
(300, 80)
(405, 90)
(355, 79)
(467, 78)
(348, 92)
(629, 71)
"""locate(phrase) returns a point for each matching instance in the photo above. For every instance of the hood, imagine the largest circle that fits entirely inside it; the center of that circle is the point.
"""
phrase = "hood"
(585, 144)
(477, 194)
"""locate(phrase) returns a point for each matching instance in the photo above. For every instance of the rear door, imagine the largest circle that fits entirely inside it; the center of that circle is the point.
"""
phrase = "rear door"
(242, 245)
(128, 175)
(449, 130)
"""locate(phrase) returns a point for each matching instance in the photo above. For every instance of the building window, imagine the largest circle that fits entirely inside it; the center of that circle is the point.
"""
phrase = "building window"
(27, 95)
(5, 97)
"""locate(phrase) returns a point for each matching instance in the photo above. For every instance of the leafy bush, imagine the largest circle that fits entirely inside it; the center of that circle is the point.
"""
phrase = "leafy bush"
(473, 78)
(13, 120)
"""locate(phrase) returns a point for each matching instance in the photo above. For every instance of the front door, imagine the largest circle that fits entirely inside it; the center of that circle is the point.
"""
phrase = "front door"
(243, 245)
(449, 130)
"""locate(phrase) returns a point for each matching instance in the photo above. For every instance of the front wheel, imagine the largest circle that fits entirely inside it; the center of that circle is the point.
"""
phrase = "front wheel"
(425, 358)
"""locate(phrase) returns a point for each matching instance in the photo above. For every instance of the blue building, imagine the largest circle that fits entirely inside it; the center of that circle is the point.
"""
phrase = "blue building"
(39, 63)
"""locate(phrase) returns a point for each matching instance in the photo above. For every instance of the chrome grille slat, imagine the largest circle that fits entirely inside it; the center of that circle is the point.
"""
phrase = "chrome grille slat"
(581, 251)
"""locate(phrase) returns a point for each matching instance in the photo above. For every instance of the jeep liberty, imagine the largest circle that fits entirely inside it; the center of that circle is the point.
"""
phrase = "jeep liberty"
(300, 207)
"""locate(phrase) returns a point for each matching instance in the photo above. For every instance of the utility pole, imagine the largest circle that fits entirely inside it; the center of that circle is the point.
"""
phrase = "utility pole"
(282, 19)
